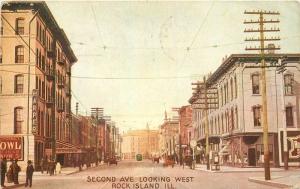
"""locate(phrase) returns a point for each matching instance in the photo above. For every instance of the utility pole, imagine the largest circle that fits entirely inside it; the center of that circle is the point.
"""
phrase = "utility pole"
(206, 124)
(280, 70)
(262, 49)
(207, 98)
(96, 112)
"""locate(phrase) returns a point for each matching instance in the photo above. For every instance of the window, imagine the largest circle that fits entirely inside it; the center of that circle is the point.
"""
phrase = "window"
(255, 84)
(0, 55)
(257, 116)
(18, 112)
(19, 54)
(19, 82)
(221, 96)
(1, 29)
(231, 89)
(288, 84)
(0, 84)
(289, 116)
(236, 118)
(20, 26)
(235, 87)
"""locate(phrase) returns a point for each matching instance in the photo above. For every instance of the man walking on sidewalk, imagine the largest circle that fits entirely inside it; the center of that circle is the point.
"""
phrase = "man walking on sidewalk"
(29, 173)
(3, 168)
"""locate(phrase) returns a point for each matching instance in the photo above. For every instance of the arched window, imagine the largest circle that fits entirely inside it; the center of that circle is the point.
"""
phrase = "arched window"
(20, 26)
(19, 83)
(19, 54)
(18, 120)
(288, 84)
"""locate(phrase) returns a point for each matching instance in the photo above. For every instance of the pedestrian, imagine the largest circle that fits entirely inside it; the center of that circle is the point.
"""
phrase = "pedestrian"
(42, 165)
(29, 173)
(15, 171)
(3, 170)
(51, 167)
(58, 168)
(9, 175)
(48, 165)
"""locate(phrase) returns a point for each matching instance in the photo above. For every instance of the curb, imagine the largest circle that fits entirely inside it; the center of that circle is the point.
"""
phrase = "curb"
(13, 186)
(270, 183)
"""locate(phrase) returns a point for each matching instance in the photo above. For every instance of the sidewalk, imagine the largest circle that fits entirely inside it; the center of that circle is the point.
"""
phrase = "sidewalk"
(38, 174)
(290, 180)
(227, 169)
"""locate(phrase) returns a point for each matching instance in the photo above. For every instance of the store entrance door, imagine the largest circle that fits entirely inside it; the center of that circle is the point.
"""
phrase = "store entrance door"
(251, 157)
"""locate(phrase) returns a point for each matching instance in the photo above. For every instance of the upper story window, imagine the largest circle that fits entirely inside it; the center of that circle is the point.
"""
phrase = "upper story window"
(255, 83)
(19, 54)
(1, 28)
(0, 84)
(0, 55)
(257, 116)
(289, 116)
(18, 120)
(235, 87)
(231, 89)
(20, 26)
(19, 83)
(288, 84)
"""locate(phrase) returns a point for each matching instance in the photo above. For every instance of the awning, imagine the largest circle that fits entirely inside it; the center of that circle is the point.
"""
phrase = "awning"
(65, 151)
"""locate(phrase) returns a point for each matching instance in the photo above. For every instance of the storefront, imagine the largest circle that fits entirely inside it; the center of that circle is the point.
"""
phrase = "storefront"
(248, 150)
(293, 148)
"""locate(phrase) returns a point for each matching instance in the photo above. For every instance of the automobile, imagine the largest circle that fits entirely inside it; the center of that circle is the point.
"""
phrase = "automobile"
(113, 161)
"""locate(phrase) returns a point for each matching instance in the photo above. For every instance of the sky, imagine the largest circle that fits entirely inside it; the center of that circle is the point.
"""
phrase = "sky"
(138, 59)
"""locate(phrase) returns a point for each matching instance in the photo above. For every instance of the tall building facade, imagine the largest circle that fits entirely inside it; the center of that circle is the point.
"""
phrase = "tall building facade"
(143, 142)
(168, 137)
(35, 80)
(235, 126)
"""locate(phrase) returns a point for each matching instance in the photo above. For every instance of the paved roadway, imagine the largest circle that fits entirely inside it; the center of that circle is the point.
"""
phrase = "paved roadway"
(201, 180)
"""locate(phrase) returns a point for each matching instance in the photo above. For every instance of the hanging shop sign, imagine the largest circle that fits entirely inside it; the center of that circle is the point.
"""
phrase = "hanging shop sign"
(294, 152)
(11, 147)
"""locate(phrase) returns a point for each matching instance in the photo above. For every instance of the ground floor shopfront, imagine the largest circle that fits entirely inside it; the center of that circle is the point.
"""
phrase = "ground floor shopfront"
(247, 150)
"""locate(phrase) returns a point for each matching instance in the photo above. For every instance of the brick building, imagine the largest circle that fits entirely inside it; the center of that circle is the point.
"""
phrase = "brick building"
(35, 79)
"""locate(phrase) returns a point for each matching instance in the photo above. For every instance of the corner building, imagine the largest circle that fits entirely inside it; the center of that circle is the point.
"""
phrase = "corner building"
(235, 126)
(35, 80)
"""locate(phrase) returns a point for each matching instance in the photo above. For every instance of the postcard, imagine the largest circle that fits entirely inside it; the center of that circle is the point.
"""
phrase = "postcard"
(149, 94)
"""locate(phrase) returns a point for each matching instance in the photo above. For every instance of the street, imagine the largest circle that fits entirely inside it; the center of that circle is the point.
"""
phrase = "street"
(146, 170)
